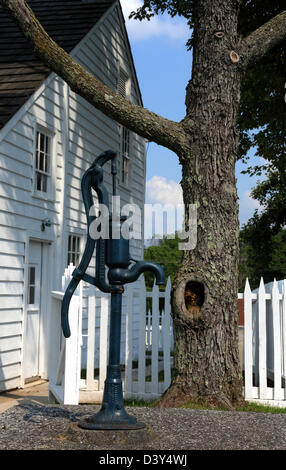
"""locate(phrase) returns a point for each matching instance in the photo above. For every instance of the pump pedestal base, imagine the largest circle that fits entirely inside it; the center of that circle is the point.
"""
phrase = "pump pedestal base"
(110, 438)
(93, 425)
(112, 414)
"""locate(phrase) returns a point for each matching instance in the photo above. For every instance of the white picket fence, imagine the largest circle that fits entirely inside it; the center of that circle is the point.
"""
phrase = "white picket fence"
(265, 343)
(147, 344)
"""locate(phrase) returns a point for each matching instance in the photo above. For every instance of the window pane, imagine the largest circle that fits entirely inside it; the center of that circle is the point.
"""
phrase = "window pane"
(42, 142)
(31, 295)
(42, 162)
(31, 285)
(74, 244)
(46, 168)
(32, 275)
(70, 243)
(73, 249)
(45, 183)
(47, 144)
(38, 140)
(38, 182)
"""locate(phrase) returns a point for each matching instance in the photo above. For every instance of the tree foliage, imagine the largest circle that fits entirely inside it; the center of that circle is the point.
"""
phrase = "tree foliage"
(262, 127)
(262, 254)
(262, 117)
(165, 253)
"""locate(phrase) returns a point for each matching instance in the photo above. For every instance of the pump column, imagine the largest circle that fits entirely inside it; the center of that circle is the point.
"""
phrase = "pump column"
(115, 328)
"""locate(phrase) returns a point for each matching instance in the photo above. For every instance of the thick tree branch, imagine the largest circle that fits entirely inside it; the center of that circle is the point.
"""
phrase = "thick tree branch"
(149, 125)
(259, 42)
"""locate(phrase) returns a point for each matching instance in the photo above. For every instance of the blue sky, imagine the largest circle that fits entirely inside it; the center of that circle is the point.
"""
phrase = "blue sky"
(163, 67)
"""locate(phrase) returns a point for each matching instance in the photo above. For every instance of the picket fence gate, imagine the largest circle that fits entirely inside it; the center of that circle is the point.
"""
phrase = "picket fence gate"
(65, 354)
(264, 348)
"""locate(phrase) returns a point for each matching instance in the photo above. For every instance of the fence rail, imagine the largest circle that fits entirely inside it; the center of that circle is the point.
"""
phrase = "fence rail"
(147, 343)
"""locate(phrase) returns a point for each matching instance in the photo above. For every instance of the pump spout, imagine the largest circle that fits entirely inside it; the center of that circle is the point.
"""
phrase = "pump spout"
(124, 276)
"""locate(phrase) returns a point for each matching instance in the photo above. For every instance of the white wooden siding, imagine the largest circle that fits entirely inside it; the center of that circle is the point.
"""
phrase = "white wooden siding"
(12, 252)
(21, 215)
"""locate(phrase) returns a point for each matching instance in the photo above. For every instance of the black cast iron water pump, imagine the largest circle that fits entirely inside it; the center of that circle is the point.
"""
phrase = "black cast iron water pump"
(113, 254)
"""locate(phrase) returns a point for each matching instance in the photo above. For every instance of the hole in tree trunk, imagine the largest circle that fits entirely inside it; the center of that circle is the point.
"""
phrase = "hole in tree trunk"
(194, 297)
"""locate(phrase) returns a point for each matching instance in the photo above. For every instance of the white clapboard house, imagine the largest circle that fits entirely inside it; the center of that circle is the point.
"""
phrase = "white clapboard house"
(48, 137)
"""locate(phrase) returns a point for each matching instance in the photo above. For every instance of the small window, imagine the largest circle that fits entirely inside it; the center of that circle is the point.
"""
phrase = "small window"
(31, 285)
(43, 162)
(125, 157)
(73, 250)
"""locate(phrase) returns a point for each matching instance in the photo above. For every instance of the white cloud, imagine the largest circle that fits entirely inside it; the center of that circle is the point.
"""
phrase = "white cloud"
(161, 191)
(164, 196)
(247, 206)
(172, 28)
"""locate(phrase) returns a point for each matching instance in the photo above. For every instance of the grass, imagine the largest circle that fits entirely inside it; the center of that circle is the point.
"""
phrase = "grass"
(257, 408)
(139, 403)
(247, 407)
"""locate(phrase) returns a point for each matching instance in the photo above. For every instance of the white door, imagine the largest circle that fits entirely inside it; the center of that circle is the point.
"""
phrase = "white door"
(31, 345)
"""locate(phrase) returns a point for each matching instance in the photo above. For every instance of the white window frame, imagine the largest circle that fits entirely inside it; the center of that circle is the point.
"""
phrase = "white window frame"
(32, 285)
(49, 173)
(125, 159)
(77, 251)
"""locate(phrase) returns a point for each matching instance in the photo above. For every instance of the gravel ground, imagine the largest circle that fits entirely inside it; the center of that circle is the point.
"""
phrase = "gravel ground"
(32, 426)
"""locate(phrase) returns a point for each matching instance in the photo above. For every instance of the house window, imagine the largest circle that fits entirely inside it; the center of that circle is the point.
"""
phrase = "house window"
(73, 250)
(43, 162)
(31, 285)
(125, 156)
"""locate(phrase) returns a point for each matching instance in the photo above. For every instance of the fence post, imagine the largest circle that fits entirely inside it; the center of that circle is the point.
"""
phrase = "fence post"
(91, 319)
(276, 341)
(72, 356)
(262, 341)
(103, 339)
(284, 333)
(142, 339)
(155, 338)
(166, 327)
(149, 331)
(129, 341)
(247, 341)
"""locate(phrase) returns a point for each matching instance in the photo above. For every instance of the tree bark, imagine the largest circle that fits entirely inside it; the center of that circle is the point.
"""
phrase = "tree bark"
(258, 43)
(206, 342)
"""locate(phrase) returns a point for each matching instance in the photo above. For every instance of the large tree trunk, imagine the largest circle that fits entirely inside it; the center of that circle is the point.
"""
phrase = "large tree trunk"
(206, 342)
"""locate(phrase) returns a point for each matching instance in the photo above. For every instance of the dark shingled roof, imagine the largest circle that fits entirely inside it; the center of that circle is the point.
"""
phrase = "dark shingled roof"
(21, 72)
